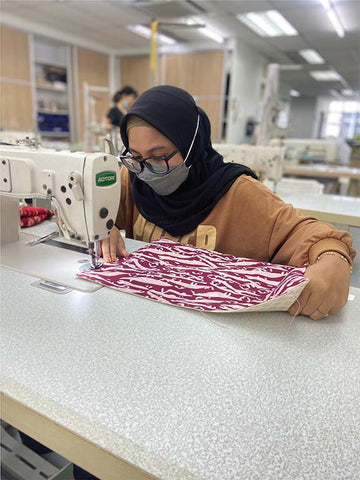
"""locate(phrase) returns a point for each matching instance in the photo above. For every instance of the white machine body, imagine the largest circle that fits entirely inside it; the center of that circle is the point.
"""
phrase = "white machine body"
(84, 188)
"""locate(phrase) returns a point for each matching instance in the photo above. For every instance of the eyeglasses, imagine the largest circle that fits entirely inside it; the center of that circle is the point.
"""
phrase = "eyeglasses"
(158, 165)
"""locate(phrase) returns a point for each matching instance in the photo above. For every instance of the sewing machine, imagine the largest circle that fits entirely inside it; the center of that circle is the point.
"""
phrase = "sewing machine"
(84, 190)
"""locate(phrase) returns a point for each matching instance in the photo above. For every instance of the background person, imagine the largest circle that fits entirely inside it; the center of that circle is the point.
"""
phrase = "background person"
(123, 100)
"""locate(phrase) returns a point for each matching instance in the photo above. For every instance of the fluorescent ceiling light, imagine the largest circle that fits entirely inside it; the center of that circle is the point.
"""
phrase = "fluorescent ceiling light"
(294, 93)
(281, 22)
(146, 33)
(325, 75)
(347, 92)
(140, 30)
(335, 22)
(291, 66)
(330, 12)
(311, 56)
(206, 30)
(268, 24)
(326, 3)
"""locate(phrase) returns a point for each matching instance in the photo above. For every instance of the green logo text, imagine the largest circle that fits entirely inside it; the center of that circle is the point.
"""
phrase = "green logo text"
(104, 179)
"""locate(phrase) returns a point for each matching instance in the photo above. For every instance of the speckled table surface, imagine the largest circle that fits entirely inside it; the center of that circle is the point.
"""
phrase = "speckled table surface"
(182, 395)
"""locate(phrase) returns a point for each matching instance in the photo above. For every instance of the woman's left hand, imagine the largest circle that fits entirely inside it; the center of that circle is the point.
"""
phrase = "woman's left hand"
(327, 291)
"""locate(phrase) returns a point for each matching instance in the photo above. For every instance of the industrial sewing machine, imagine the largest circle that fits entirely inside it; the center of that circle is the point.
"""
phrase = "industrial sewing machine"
(84, 190)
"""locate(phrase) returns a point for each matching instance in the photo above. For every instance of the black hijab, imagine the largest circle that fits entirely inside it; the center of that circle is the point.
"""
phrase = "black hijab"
(173, 112)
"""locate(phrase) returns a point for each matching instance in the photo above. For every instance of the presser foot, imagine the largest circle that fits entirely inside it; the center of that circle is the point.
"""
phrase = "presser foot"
(89, 266)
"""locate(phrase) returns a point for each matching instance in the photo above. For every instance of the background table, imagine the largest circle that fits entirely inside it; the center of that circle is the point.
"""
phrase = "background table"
(349, 177)
(323, 171)
(329, 208)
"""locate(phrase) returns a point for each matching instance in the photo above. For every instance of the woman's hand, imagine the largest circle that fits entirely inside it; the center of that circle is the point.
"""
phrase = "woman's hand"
(112, 245)
(327, 291)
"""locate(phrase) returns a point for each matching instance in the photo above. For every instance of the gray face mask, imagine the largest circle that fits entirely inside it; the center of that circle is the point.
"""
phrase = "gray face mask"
(166, 184)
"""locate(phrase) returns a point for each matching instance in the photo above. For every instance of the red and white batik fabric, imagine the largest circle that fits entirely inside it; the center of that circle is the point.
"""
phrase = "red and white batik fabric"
(187, 276)
(30, 216)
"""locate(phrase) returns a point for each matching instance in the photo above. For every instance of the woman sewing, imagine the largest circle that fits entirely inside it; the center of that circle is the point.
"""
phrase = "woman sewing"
(176, 185)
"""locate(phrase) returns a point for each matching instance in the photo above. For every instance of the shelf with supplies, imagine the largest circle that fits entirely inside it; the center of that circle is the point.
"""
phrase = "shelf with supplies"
(53, 88)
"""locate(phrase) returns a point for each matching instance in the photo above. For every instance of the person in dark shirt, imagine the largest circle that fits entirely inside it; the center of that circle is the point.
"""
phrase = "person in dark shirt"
(123, 100)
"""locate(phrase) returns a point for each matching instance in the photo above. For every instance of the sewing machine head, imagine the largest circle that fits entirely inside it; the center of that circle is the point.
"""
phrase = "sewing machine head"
(84, 188)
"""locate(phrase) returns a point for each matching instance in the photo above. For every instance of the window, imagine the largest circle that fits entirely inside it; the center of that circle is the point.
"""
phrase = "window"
(343, 119)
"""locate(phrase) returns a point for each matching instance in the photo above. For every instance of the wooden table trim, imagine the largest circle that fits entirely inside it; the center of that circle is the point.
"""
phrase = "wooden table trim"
(323, 173)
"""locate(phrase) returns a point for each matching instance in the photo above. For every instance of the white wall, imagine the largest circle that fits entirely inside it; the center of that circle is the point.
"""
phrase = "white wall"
(248, 71)
(302, 117)
(321, 107)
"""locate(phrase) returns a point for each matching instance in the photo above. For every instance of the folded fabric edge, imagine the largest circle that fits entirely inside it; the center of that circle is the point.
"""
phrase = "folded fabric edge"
(279, 304)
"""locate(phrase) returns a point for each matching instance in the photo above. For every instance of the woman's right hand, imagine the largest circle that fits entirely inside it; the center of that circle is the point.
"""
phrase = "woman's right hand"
(113, 245)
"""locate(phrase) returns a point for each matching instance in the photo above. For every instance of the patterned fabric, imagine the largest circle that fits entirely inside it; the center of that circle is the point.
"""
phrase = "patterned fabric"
(30, 216)
(186, 276)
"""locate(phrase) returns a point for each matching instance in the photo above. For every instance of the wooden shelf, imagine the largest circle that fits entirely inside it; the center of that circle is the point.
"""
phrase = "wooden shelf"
(51, 64)
(58, 112)
(54, 134)
(53, 89)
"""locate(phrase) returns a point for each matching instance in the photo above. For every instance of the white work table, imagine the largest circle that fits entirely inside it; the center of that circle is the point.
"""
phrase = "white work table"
(132, 389)
(323, 171)
(329, 208)
(348, 177)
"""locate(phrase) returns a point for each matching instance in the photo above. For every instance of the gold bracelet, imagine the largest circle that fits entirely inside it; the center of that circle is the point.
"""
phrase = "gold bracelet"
(337, 254)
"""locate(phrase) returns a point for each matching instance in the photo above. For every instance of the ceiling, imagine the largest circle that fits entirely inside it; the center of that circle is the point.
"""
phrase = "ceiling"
(103, 22)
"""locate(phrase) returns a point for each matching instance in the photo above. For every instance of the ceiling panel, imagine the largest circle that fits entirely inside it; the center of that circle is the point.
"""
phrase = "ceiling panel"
(329, 40)
(349, 14)
(164, 9)
(352, 79)
(11, 7)
(337, 57)
(293, 4)
(309, 19)
(67, 13)
(286, 44)
(233, 7)
(111, 13)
